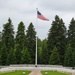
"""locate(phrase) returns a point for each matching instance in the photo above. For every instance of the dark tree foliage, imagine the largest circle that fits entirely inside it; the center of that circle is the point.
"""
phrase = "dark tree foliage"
(53, 50)
(20, 36)
(73, 57)
(11, 57)
(54, 58)
(3, 56)
(8, 37)
(26, 58)
(71, 33)
(44, 52)
(71, 38)
(57, 37)
(0, 46)
(20, 42)
(0, 36)
(31, 41)
(68, 61)
(18, 54)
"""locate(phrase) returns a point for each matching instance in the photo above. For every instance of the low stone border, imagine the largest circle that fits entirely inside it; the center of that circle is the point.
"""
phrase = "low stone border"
(61, 69)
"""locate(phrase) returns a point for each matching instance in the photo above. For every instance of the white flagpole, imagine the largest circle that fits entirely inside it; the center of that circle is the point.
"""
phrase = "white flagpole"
(36, 43)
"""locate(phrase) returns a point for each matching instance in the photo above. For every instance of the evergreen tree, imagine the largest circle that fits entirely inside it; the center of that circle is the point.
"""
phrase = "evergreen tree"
(54, 58)
(26, 58)
(18, 54)
(73, 58)
(71, 38)
(3, 53)
(68, 61)
(57, 38)
(20, 42)
(0, 37)
(31, 41)
(20, 36)
(71, 33)
(0, 47)
(11, 57)
(44, 52)
(8, 37)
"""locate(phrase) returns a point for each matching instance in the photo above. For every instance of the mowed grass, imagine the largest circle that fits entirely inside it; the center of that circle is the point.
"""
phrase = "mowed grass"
(53, 73)
(16, 73)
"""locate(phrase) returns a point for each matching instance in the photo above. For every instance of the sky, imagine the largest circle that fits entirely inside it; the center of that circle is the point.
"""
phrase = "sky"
(25, 10)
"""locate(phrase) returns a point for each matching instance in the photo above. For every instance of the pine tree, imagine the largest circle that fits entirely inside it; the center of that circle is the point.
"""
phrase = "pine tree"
(20, 42)
(71, 33)
(54, 58)
(26, 58)
(18, 54)
(0, 47)
(31, 41)
(73, 58)
(11, 57)
(57, 37)
(20, 36)
(0, 36)
(8, 37)
(68, 61)
(71, 38)
(3, 53)
(44, 52)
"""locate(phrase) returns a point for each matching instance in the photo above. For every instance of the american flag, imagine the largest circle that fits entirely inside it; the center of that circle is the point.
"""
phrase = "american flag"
(40, 16)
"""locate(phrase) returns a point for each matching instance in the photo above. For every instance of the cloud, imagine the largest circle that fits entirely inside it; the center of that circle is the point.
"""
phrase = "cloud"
(58, 5)
(25, 10)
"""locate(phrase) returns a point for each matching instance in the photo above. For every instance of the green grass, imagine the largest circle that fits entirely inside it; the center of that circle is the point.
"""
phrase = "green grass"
(53, 73)
(16, 73)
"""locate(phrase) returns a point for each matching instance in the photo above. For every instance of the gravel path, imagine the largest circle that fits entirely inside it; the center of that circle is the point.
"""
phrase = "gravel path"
(35, 72)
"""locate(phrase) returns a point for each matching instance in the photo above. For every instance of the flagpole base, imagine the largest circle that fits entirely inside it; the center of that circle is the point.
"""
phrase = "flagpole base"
(35, 65)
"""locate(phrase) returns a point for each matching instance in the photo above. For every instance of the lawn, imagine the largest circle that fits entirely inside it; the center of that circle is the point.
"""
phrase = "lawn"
(53, 73)
(23, 72)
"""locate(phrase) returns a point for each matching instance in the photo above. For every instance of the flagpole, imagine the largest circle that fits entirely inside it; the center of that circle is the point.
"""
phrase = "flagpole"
(40, 16)
(36, 42)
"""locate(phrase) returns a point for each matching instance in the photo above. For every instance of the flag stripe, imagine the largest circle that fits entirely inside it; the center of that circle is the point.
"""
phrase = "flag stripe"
(40, 16)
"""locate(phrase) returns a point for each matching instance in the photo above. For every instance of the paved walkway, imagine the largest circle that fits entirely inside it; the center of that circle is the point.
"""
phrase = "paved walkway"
(35, 72)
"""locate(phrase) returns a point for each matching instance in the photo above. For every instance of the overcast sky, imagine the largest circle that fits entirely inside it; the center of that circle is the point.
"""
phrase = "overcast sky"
(25, 10)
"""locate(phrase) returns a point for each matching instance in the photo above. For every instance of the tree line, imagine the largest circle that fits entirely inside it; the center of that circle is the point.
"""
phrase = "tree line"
(19, 47)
